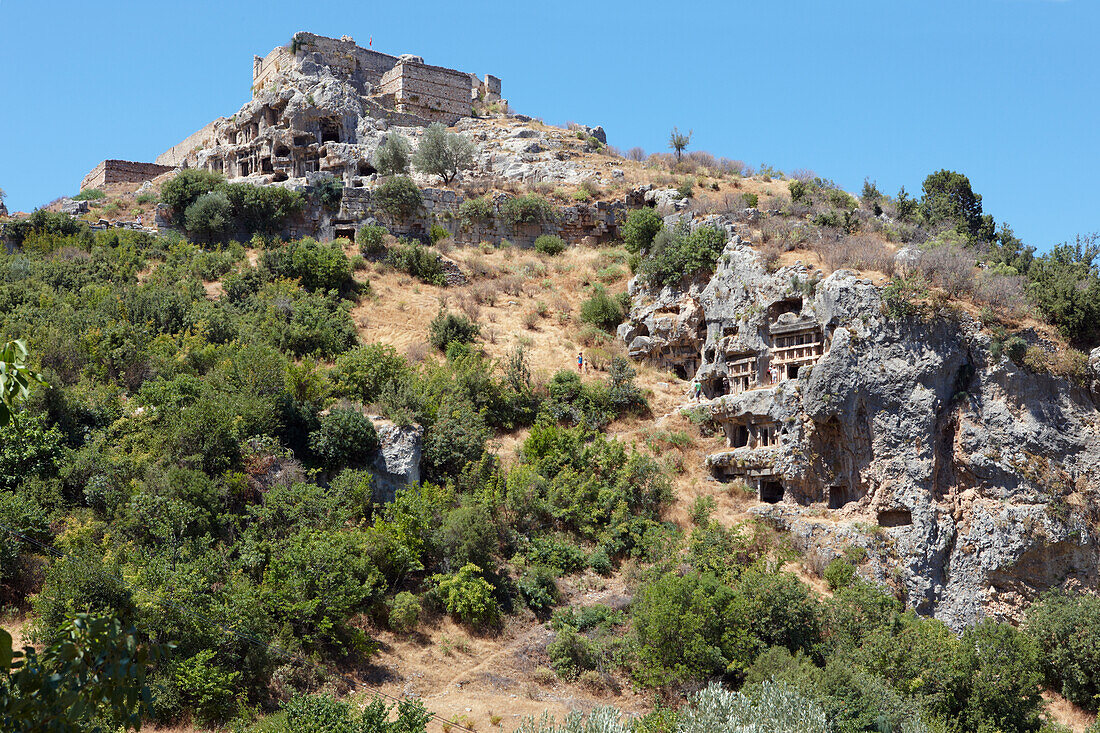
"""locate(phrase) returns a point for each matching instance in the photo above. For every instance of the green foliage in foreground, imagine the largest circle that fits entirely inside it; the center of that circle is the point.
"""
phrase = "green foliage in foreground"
(91, 676)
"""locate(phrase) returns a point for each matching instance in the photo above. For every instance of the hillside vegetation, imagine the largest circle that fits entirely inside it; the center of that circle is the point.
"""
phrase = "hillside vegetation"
(197, 461)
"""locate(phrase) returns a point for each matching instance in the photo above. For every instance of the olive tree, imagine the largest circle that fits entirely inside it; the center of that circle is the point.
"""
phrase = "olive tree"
(443, 153)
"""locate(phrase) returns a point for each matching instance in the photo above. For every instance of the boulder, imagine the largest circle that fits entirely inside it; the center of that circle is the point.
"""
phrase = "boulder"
(398, 461)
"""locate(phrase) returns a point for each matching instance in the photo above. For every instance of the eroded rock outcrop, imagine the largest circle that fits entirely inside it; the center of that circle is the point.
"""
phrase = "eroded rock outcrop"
(972, 481)
(398, 462)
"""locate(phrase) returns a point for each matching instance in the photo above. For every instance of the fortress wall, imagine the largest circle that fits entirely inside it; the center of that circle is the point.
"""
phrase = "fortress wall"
(122, 171)
(177, 154)
(433, 92)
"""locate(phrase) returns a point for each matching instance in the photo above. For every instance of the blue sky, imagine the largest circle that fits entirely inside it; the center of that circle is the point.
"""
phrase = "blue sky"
(1005, 91)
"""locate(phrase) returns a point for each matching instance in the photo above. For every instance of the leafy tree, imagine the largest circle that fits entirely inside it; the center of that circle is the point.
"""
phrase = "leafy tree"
(210, 216)
(362, 372)
(93, 671)
(680, 253)
(948, 197)
(443, 153)
(325, 714)
(1065, 283)
(457, 437)
(391, 157)
(678, 141)
(687, 628)
(640, 227)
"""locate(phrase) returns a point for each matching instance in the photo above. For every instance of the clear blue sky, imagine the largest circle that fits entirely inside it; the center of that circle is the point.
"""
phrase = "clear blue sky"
(1005, 91)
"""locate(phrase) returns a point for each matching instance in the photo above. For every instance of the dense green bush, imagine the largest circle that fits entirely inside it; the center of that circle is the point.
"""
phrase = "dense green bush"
(468, 597)
(447, 328)
(839, 573)
(404, 612)
(1066, 629)
(318, 266)
(344, 438)
(186, 187)
(602, 310)
(528, 209)
(418, 261)
(371, 239)
(476, 211)
(398, 197)
(210, 216)
(325, 714)
(549, 244)
(688, 628)
(330, 192)
(363, 372)
(639, 229)
(679, 254)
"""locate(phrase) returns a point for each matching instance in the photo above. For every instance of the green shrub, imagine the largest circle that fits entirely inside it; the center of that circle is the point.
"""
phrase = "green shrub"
(391, 157)
(318, 266)
(443, 153)
(404, 612)
(539, 589)
(185, 187)
(456, 438)
(468, 597)
(263, 209)
(839, 574)
(371, 240)
(1015, 348)
(1066, 629)
(639, 229)
(447, 328)
(398, 197)
(602, 310)
(684, 190)
(476, 210)
(418, 261)
(751, 200)
(687, 628)
(146, 198)
(90, 194)
(437, 233)
(205, 688)
(600, 563)
(210, 216)
(549, 244)
(363, 372)
(344, 438)
(571, 653)
(680, 254)
(529, 209)
(330, 192)
(799, 190)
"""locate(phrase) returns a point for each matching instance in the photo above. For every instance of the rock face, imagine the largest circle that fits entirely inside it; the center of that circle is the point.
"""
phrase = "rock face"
(398, 462)
(973, 483)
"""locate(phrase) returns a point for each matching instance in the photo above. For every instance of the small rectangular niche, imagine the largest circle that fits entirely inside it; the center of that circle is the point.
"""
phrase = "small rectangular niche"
(895, 518)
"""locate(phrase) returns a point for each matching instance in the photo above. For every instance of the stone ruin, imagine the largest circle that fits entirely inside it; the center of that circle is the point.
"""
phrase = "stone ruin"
(122, 171)
(320, 105)
(969, 480)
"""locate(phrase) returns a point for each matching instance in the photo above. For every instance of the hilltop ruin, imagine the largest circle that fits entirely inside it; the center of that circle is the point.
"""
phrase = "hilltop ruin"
(318, 106)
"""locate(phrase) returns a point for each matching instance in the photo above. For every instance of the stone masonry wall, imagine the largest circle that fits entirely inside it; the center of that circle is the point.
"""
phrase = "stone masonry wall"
(591, 223)
(432, 92)
(122, 171)
(178, 153)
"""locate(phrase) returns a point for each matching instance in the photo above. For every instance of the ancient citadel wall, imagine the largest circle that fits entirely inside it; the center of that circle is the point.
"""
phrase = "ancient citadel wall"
(176, 154)
(593, 223)
(122, 171)
(432, 92)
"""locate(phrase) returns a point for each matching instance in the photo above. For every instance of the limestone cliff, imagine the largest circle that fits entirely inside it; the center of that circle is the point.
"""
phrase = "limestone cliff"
(972, 482)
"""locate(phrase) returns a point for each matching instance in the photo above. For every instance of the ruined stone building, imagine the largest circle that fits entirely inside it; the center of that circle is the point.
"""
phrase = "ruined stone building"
(319, 106)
